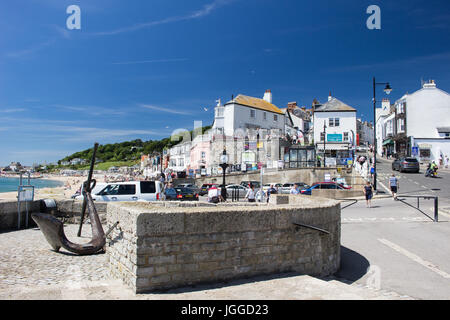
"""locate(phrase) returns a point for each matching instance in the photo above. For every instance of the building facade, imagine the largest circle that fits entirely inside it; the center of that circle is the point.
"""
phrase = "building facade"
(334, 130)
(422, 124)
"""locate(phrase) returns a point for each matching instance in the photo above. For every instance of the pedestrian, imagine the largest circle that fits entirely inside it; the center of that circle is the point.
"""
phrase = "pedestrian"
(295, 190)
(372, 171)
(271, 190)
(447, 161)
(368, 192)
(251, 194)
(393, 184)
(441, 160)
(213, 194)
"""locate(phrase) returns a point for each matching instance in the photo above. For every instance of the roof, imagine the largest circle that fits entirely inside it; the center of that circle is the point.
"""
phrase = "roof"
(334, 105)
(255, 103)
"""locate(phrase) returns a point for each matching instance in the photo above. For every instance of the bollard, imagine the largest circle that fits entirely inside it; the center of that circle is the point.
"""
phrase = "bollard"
(436, 210)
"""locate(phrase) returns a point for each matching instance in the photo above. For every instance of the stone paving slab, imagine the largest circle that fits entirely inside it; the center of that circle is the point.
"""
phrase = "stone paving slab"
(29, 269)
(26, 258)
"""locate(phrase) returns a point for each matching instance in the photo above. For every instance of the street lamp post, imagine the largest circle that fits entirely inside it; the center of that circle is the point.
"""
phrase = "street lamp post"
(324, 140)
(224, 165)
(387, 90)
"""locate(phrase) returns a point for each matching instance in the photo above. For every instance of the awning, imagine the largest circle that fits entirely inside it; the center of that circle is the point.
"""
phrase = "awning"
(333, 146)
(388, 141)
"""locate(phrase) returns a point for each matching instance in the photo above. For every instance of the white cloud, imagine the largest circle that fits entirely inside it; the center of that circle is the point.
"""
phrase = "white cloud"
(162, 109)
(206, 10)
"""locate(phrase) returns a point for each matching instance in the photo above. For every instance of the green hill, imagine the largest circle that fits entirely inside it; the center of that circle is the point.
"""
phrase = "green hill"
(128, 152)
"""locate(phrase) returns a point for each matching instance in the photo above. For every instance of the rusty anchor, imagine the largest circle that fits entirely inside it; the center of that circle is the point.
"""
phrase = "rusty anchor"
(53, 229)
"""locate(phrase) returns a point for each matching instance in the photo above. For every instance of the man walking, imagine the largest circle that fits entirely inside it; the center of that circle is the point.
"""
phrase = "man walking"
(393, 184)
(295, 189)
(271, 190)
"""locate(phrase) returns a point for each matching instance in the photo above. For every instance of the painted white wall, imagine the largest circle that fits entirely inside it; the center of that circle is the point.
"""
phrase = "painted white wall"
(438, 147)
(238, 117)
(347, 122)
(426, 110)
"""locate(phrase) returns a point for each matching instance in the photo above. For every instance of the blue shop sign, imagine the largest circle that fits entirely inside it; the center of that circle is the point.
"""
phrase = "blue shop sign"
(334, 137)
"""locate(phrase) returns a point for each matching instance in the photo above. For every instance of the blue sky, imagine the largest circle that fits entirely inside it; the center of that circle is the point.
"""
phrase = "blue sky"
(143, 68)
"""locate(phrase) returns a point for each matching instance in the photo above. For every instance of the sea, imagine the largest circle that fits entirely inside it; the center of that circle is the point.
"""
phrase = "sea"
(11, 184)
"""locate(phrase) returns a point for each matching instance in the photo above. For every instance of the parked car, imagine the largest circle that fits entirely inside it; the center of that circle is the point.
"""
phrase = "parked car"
(277, 186)
(256, 184)
(236, 188)
(205, 187)
(406, 165)
(129, 191)
(286, 188)
(190, 186)
(181, 194)
(324, 186)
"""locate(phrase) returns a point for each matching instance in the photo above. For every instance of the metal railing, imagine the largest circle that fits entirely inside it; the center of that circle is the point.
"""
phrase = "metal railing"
(354, 201)
(436, 205)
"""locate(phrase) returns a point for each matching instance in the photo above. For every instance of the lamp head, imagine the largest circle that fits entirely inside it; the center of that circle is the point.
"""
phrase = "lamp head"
(388, 89)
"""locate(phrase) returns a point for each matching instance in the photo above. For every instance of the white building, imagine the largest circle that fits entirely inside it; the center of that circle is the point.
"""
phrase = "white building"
(382, 115)
(365, 131)
(423, 123)
(340, 129)
(244, 112)
(180, 157)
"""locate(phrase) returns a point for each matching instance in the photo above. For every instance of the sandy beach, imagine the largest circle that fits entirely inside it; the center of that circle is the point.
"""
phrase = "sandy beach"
(71, 185)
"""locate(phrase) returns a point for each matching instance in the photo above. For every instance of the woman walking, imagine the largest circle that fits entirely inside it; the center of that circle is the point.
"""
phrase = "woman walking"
(368, 192)
(250, 194)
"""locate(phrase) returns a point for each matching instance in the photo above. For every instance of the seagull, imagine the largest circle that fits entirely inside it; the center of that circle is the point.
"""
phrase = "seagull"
(206, 109)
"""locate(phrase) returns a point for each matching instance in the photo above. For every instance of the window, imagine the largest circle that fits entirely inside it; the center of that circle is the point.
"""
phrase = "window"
(265, 115)
(331, 122)
(322, 136)
(181, 162)
(203, 155)
(345, 136)
(447, 135)
(252, 114)
(336, 122)
(125, 189)
(148, 187)
(275, 117)
(220, 112)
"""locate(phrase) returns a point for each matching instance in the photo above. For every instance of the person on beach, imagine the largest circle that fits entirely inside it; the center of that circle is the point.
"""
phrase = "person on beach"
(393, 184)
(368, 192)
(251, 194)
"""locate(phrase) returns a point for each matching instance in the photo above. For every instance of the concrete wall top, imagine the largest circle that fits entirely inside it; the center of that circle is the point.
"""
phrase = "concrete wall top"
(158, 220)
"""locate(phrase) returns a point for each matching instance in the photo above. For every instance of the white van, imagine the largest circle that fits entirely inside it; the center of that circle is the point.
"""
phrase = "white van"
(130, 191)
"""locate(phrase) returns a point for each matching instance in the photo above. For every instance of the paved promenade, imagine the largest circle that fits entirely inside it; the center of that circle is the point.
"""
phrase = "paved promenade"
(30, 270)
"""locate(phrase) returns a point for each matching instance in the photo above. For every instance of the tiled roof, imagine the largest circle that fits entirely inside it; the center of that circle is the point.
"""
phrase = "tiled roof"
(334, 105)
(256, 103)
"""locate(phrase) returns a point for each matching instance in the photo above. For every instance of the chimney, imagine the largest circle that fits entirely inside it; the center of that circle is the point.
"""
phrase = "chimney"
(292, 105)
(268, 96)
(329, 96)
(430, 85)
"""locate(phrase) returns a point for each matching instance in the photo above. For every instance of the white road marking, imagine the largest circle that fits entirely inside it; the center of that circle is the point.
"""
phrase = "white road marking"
(389, 191)
(416, 182)
(415, 258)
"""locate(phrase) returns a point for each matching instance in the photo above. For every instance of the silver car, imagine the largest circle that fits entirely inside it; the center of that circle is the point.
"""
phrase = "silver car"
(237, 188)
